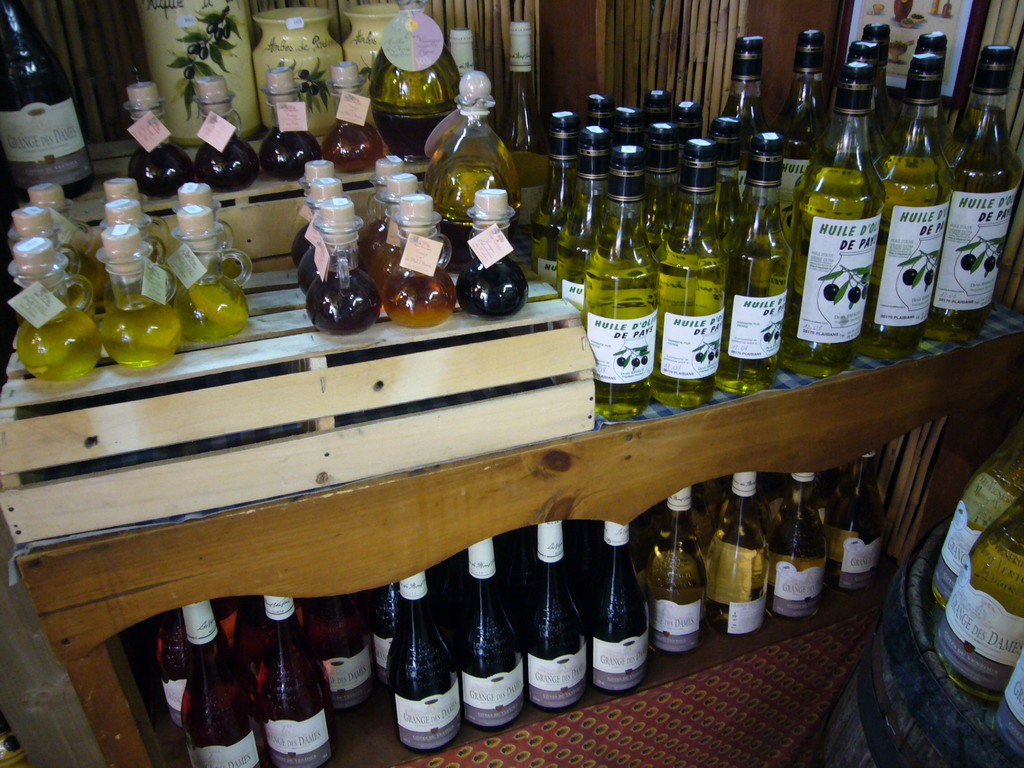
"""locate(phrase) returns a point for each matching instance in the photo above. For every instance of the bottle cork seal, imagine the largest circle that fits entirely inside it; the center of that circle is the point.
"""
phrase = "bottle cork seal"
(212, 89)
(195, 220)
(123, 211)
(195, 193)
(337, 213)
(318, 169)
(461, 35)
(402, 184)
(34, 257)
(120, 243)
(388, 166)
(491, 204)
(325, 189)
(280, 80)
(345, 74)
(143, 95)
(47, 195)
(416, 209)
(474, 86)
(32, 221)
(120, 188)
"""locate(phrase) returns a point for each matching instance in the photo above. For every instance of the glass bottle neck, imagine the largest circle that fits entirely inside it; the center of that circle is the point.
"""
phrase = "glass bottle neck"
(695, 215)
(728, 174)
(225, 110)
(760, 209)
(126, 285)
(588, 188)
(481, 226)
(848, 140)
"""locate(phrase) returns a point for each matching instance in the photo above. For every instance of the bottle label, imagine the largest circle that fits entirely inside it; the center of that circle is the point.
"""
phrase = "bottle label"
(412, 41)
(278, 608)
(149, 131)
(573, 293)
(493, 700)
(44, 142)
(839, 257)
(200, 624)
(624, 349)
(431, 722)
(414, 587)
(241, 754)
(350, 678)
(792, 172)
(156, 283)
(676, 626)
(37, 305)
(744, 483)
(381, 648)
(615, 535)
(481, 559)
(957, 545)
(1010, 716)
(352, 108)
(691, 345)
(975, 237)
(622, 665)
(911, 260)
(733, 571)
(490, 246)
(174, 691)
(796, 593)
(216, 131)
(421, 254)
(186, 266)
(746, 617)
(755, 329)
(292, 116)
(299, 744)
(557, 682)
(547, 269)
(550, 546)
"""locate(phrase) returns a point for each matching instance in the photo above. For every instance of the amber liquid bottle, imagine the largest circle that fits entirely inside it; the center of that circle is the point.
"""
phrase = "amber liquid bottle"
(350, 146)
(160, 171)
(284, 153)
(342, 642)
(320, 191)
(236, 166)
(380, 250)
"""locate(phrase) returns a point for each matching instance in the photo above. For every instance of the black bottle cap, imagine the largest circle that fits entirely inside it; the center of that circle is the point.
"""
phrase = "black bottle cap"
(746, 58)
(595, 152)
(932, 42)
(626, 174)
(924, 80)
(726, 133)
(657, 106)
(687, 117)
(697, 172)
(563, 132)
(662, 148)
(878, 33)
(864, 50)
(628, 126)
(600, 110)
(810, 51)
(764, 164)
(856, 83)
(995, 65)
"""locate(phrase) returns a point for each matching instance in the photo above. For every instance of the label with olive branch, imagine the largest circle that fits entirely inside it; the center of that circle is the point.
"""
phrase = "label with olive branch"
(911, 260)
(202, 50)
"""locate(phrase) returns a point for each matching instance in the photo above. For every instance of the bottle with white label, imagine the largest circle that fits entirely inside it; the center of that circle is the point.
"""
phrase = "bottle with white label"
(986, 174)
(383, 619)
(676, 579)
(421, 674)
(553, 203)
(725, 132)
(487, 649)
(1010, 715)
(917, 185)
(556, 648)
(621, 293)
(318, 190)
(216, 711)
(854, 523)
(738, 561)
(172, 660)
(342, 642)
(691, 288)
(522, 130)
(497, 288)
(796, 552)
(988, 494)
(744, 101)
(982, 630)
(836, 211)
(293, 697)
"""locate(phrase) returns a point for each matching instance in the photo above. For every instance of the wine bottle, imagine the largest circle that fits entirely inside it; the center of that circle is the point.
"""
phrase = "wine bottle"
(383, 618)
(551, 207)
(584, 540)
(251, 626)
(744, 101)
(460, 44)
(691, 288)
(676, 578)
(216, 711)
(738, 561)
(342, 642)
(172, 658)
(447, 600)
(39, 128)
(628, 126)
(725, 131)
(600, 110)
(836, 211)
(487, 648)
(885, 117)
(854, 523)
(556, 648)
(917, 184)
(1010, 714)
(618, 618)
(660, 182)
(687, 115)
(421, 675)
(643, 529)
(868, 52)
(657, 106)
(796, 552)
(986, 174)
(620, 293)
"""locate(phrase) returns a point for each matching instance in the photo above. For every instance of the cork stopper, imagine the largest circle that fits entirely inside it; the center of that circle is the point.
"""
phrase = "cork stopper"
(388, 165)
(318, 169)
(325, 189)
(121, 189)
(337, 213)
(195, 193)
(35, 257)
(47, 195)
(32, 221)
(416, 210)
(402, 184)
(491, 205)
(212, 89)
(345, 74)
(280, 80)
(142, 96)
(121, 243)
(124, 211)
(195, 220)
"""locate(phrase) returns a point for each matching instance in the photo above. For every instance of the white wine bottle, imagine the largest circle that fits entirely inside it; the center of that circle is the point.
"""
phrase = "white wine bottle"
(796, 552)
(854, 523)
(868, 51)
(551, 207)
(1010, 715)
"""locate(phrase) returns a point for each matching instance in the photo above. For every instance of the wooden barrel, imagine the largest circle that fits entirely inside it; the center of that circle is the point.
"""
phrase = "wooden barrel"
(899, 709)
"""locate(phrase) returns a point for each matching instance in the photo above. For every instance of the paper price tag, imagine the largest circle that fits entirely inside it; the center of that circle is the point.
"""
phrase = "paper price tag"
(306, 213)
(421, 255)
(491, 245)
(155, 283)
(392, 236)
(37, 305)
(66, 228)
(216, 131)
(321, 256)
(184, 21)
(186, 266)
(352, 108)
(149, 131)
(412, 42)
(291, 116)
(295, 22)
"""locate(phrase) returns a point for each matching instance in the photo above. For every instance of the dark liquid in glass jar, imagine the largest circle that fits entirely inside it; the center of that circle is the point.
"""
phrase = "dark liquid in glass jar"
(159, 173)
(235, 168)
(284, 154)
(495, 291)
(406, 135)
(334, 309)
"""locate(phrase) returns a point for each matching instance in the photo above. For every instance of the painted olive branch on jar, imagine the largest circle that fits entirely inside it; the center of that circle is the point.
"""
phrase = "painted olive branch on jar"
(201, 46)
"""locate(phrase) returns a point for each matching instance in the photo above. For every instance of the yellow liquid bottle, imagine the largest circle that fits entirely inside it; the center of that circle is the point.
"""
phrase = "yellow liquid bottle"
(551, 209)
(725, 131)
(691, 288)
(986, 174)
(936, 42)
(868, 52)
(744, 101)
(836, 212)
(917, 185)
(621, 294)
(128, 211)
(883, 115)
(153, 228)
(796, 552)
(854, 522)
(661, 182)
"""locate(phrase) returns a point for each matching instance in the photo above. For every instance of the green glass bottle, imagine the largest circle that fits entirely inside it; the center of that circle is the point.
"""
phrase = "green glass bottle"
(836, 212)
(935, 42)
(986, 173)
(726, 133)
(868, 51)
(621, 293)
(884, 115)
(917, 184)
(759, 262)
(661, 182)
(577, 236)
(744, 101)
(549, 215)
(691, 288)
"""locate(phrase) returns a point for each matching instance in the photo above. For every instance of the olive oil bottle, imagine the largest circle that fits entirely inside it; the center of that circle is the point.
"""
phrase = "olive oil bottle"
(836, 211)
(577, 236)
(600, 110)
(744, 102)
(687, 115)
(884, 115)
(917, 185)
(691, 288)
(549, 216)
(621, 293)
(725, 132)
(660, 184)
(935, 42)
(868, 52)
(759, 263)
(986, 173)
(854, 524)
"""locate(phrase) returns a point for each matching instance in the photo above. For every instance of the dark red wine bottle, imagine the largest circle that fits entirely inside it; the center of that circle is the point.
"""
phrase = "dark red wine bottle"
(342, 642)
(172, 658)
(383, 618)
(448, 598)
(293, 699)
(251, 627)
(216, 711)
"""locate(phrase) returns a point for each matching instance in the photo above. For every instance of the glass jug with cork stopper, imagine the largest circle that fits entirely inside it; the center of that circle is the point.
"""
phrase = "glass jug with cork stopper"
(125, 188)
(210, 305)
(495, 287)
(341, 299)
(59, 340)
(314, 169)
(379, 256)
(234, 165)
(126, 211)
(302, 248)
(33, 221)
(383, 169)
(161, 170)
(139, 328)
(289, 145)
(352, 144)
(199, 193)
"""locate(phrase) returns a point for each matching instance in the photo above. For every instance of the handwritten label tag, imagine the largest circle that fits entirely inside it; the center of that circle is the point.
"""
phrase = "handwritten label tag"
(185, 21)
(186, 266)
(37, 305)
(216, 131)
(491, 245)
(295, 22)
(321, 256)
(291, 116)
(149, 131)
(305, 212)
(421, 254)
(66, 229)
(392, 236)
(155, 282)
(352, 108)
